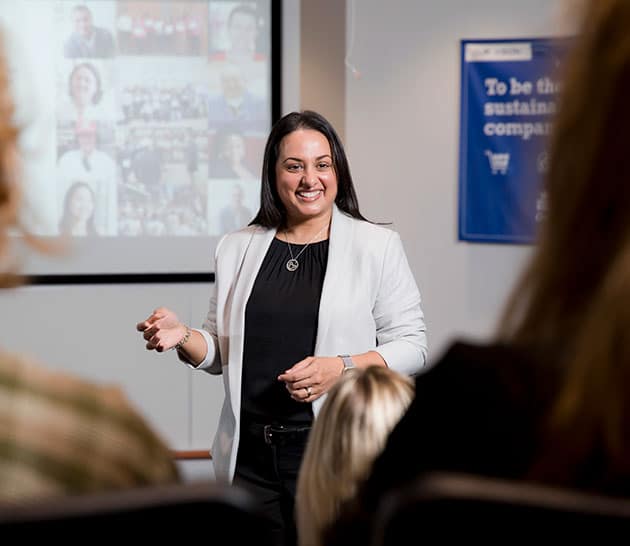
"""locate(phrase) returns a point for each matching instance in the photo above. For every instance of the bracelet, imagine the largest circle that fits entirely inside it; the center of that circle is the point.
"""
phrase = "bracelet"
(182, 341)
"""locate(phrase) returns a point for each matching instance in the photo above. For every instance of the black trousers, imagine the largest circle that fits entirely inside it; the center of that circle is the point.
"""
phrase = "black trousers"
(267, 464)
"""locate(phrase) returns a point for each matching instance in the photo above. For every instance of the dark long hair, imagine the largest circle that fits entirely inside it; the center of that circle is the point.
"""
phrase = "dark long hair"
(572, 300)
(272, 213)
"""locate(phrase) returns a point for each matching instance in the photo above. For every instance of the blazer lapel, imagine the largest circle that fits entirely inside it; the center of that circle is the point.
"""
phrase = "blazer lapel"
(339, 241)
(252, 260)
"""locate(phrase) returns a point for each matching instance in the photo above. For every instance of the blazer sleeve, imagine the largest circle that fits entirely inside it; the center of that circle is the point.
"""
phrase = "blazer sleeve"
(400, 328)
(212, 362)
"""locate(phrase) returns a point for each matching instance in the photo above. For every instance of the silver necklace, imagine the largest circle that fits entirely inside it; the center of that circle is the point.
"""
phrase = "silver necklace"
(292, 264)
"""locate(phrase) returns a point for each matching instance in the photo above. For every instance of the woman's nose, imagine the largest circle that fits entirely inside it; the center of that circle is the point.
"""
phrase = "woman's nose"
(310, 178)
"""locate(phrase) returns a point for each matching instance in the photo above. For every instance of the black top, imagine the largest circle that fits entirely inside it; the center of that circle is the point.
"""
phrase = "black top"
(280, 330)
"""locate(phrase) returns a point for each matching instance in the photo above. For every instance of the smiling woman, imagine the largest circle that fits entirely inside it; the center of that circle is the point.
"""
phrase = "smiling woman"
(308, 280)
(306, 183)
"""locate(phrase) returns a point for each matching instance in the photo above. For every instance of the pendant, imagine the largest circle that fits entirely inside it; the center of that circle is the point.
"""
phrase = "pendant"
(292, 264)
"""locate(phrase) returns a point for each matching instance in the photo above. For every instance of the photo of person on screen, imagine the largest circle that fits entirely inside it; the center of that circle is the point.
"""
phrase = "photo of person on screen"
(241, 31)
(98, 170)
(235, 215)
(235, 104)
(228, 155)
(77, 215)
(88, 40)
(86, 99)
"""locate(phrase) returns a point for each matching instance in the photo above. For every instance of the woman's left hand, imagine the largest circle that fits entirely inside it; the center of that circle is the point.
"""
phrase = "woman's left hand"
(310, 378)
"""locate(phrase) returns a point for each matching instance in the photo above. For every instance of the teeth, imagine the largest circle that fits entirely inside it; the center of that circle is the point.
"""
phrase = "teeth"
(309, 194)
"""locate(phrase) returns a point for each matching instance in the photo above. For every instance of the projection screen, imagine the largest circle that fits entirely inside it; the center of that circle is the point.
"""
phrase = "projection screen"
(144, 124)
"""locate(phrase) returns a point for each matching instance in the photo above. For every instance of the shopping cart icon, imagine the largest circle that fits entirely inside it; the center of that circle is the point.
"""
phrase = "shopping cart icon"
(498, 162)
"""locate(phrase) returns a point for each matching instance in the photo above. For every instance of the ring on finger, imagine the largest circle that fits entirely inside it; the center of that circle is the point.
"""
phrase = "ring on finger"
(309, 390)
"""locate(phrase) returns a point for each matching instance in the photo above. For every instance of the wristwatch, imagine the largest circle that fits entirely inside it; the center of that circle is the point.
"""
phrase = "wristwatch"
(347, 362)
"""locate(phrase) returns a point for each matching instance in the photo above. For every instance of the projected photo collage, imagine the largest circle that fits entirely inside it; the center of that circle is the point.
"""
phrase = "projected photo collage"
(162, 111)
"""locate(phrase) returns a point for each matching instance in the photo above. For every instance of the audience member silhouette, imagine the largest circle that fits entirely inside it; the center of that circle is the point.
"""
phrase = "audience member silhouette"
(547, 401)
(60, 434)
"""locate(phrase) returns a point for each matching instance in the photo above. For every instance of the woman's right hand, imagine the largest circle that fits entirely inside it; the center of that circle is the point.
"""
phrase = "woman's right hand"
(162, 330)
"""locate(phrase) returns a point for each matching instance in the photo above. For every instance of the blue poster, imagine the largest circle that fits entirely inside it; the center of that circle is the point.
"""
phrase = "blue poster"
(509, 92)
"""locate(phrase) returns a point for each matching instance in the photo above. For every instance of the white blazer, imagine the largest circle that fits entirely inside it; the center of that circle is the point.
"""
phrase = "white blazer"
(369, 302)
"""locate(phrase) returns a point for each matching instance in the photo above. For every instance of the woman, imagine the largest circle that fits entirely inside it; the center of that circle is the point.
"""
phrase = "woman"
(85, 101)
(77, 217)
(549, 400)
(229, 158)
(309, 283)
(59, 433)
(351, 429)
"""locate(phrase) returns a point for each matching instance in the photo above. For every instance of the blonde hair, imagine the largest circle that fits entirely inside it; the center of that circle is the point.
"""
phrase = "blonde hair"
(10, 180)
(9, 190)
(351, 429)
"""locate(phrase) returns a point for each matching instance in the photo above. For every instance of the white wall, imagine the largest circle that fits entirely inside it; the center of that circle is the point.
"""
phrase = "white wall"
(402, 120)
(401, 136)
(90, 330)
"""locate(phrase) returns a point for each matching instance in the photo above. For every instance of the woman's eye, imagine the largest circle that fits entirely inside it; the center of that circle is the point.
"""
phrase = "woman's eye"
(323, 166)
(294, 167)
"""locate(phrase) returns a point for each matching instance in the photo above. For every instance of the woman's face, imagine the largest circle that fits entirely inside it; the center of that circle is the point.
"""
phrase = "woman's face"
(83, 86)
(305, 177)
(82, 204)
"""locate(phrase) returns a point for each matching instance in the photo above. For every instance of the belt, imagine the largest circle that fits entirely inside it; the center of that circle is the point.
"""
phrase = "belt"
(278, 434)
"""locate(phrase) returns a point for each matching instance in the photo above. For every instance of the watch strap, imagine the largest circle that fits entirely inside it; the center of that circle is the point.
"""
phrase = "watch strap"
(347, 362)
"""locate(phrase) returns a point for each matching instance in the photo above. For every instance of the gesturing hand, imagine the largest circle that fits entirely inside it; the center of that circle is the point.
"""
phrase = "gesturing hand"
(162, 330)
(310, 378)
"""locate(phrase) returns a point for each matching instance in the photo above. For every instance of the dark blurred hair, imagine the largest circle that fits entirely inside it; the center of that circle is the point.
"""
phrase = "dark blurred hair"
(272, 212)
(573, 300)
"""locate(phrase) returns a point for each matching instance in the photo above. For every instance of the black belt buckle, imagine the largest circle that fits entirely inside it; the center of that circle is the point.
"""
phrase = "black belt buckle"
(281, 435)
(268, 434)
